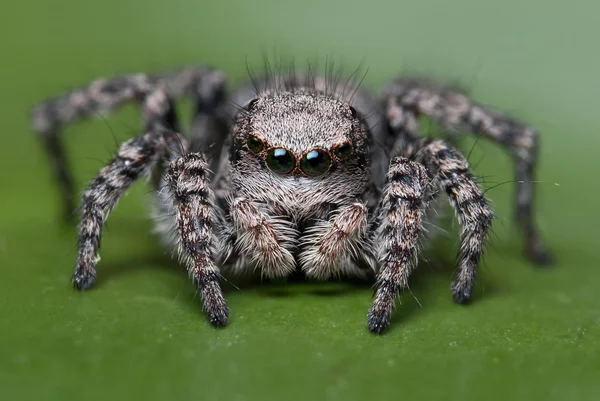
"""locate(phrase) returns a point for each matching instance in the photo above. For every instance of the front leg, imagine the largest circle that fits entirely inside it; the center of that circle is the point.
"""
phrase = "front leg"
(263, 238)
(329, 243)
(399, 228)
(194, 214)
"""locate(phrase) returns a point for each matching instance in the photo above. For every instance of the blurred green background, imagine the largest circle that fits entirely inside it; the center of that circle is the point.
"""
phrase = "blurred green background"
(530, 334)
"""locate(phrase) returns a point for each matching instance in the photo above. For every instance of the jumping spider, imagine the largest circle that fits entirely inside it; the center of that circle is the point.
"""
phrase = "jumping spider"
(294, 172)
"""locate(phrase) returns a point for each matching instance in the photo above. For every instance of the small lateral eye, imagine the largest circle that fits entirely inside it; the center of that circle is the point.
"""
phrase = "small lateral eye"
(343, 151)
(255, 144)
(281, 161)
(315, 162)
(250, 105)
(351, 109)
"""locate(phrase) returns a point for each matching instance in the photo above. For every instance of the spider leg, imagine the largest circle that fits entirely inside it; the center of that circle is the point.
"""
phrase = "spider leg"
(103, 95)
(397, 228)
(451, 172)
(62, 173)
(134, 158)
(212, 118)
(52, 115)
(196, 220)
(408, 98)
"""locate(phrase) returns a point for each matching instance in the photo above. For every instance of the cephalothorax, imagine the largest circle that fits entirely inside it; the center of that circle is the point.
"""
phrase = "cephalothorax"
(295, 172)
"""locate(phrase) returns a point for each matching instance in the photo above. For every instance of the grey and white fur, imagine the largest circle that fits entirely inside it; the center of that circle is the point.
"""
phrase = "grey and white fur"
(295, 172)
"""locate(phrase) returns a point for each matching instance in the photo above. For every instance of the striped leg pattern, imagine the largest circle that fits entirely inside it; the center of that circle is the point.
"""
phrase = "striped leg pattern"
(154, 93)
(196, 219)
(399, 227)
(135, 158)
(407, 98)
(449, 169)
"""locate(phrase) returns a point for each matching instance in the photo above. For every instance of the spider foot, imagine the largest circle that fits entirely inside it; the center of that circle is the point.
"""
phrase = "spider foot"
(83, 279)
(214, 304)
(538, 254)
(461, 292)
(219, 317)
(379, 318)
(380, 314)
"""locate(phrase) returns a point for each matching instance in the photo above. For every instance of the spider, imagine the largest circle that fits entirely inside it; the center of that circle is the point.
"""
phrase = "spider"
(294, 173)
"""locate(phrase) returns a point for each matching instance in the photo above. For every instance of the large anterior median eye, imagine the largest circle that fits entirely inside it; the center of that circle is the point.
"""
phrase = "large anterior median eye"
(315, 162)
(281, 161)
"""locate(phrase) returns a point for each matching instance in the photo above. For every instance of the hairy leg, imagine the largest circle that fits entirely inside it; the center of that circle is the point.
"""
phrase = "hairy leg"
(135, 157)
(187, 179)
(451, 171)
(398, 227)
(103, 95)
(107, 94)
(409, 98)
(329, 243)
(211, 121)
(263, 238)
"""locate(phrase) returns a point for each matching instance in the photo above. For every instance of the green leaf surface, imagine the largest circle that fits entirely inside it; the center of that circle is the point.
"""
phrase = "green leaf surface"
(529, 334)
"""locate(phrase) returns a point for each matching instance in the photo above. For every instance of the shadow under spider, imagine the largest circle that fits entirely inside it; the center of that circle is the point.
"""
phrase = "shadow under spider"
(298, 284)
(437, 267)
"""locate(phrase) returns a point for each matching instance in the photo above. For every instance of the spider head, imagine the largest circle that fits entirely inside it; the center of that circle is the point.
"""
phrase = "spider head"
(299, 146)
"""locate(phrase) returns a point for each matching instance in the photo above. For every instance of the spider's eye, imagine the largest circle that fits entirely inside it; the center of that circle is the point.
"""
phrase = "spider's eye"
(251, 104)
(343, 151)
(315, 162)
(351, 109)
(281, 161)
(353, 112)
(255, 144)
